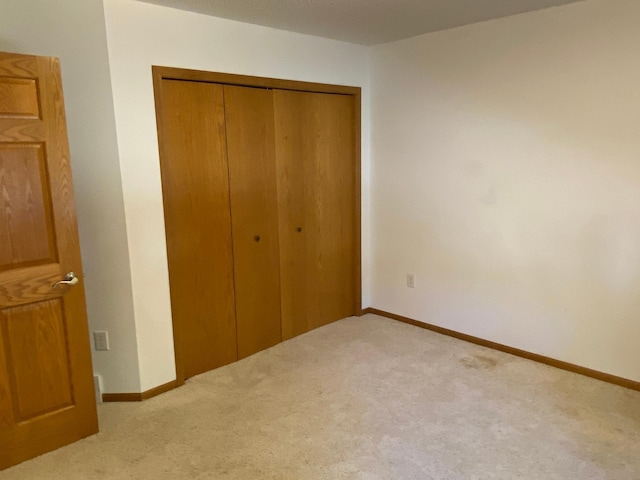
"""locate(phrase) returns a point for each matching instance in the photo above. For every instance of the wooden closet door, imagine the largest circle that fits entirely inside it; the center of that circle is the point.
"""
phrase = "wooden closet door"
(254, 217)
(195, 184)
(315, 152)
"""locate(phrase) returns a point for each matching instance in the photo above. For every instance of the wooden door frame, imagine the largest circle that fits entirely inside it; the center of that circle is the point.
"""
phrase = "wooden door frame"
(169, 73)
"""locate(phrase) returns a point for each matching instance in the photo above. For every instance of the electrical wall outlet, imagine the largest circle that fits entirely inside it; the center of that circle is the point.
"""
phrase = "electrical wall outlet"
(101, 341)
(411, 280)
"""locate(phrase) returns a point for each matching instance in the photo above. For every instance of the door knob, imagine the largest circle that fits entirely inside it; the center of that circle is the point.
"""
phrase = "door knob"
(69, 279)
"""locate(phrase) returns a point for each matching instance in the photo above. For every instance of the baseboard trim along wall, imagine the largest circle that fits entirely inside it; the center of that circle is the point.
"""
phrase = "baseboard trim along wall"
(140, 396)
(570, 367)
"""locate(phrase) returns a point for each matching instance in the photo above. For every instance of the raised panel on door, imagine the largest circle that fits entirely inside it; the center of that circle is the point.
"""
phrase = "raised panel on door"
(254, 216)
(46, 385)
(315, 151)
(26, 225)
(37, 359)
(195, 185)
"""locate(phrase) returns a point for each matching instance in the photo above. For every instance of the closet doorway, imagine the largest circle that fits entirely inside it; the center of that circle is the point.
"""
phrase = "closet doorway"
(261, 192)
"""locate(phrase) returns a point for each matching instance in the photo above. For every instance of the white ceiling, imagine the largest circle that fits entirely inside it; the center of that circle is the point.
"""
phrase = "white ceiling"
(368, 22)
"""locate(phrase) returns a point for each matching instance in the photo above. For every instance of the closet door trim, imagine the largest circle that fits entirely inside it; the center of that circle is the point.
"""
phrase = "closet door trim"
(170, 73)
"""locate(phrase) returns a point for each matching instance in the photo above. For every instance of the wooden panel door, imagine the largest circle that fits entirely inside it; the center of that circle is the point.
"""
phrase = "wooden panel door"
(254, 216)
(47, 395)
(195, 184)
(316, 171)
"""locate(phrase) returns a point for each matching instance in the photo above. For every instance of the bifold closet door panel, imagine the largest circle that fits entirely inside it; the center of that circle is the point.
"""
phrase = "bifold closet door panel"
(198, 223)
(298, 200)
(254, 217)
(315, 152)
(335, 160)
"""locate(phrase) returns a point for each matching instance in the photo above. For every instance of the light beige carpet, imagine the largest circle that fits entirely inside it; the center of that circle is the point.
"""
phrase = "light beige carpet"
(365, 398)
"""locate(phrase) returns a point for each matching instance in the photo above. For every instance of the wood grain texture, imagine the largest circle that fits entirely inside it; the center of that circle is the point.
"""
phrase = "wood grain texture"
(30, 284)
(19, 97)
(349, 224)
(59, 328)
(297, 201)
(7, 415)
(334, 151)
(198, 224)
(316, 158)
(251, 81)
(357, 217)
(570, 367)
(254, 217)
(26, 227)
(37, 358)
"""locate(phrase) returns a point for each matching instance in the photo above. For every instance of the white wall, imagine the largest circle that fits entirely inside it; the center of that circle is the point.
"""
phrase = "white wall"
(506, 176)
(141, 35)
(74, 31)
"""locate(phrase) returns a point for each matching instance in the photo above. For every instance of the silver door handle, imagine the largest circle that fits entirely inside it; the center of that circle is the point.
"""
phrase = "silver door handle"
(69, 279)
